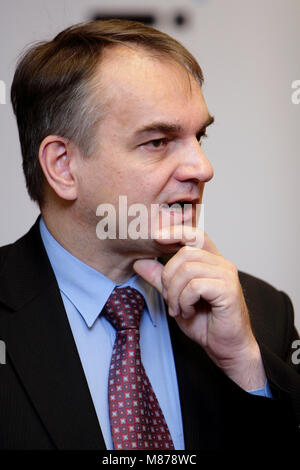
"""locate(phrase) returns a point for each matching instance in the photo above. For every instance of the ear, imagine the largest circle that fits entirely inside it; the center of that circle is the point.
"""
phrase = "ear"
(56, 156)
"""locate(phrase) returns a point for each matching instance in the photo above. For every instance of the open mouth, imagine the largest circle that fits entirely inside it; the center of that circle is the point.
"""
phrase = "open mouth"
(178, 212)
(181, 210)
(181, 204)
(175, 205)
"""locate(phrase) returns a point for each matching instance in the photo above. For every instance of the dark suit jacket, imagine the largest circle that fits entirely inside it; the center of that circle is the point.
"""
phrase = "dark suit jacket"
(44, 398)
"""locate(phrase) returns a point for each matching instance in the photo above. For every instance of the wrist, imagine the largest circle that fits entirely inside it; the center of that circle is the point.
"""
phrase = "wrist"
(246, 368)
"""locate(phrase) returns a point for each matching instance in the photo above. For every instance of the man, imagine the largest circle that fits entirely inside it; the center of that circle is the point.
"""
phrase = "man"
(111, 109)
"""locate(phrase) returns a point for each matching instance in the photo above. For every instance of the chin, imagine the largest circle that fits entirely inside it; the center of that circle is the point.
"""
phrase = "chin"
(142, 249)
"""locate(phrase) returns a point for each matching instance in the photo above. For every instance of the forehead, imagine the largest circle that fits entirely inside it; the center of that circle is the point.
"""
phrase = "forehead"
(141, 88)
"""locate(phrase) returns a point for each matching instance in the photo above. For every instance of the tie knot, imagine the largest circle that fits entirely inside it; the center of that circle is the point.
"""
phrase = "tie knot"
(123, 308)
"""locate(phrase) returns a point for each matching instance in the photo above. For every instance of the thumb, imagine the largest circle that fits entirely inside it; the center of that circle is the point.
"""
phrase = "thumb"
(150, 270)
(209, 245)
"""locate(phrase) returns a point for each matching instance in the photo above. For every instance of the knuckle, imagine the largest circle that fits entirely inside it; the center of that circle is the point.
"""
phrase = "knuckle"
(186, 267)
(194, 285)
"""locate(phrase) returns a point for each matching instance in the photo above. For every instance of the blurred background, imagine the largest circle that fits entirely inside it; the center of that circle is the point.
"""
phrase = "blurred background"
(250, 55)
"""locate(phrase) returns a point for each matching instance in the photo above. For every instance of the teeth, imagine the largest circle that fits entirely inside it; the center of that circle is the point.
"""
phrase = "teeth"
(176, 205)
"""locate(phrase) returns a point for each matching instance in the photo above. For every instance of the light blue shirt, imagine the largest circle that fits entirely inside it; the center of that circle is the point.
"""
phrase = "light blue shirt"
(84, 292)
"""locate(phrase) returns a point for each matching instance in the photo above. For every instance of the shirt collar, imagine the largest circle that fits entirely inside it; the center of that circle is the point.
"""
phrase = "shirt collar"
(87, 288)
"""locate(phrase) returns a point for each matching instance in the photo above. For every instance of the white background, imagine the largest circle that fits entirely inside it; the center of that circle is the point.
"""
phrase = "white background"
(250, 54)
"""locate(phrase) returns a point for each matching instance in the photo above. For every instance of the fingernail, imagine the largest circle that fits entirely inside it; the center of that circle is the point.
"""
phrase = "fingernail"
(171, 312)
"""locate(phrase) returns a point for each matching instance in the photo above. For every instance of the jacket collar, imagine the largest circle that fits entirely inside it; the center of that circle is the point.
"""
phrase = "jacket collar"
(40, 344)
(25, 270)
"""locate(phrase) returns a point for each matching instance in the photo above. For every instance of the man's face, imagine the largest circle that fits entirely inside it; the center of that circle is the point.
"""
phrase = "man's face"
(147, 144)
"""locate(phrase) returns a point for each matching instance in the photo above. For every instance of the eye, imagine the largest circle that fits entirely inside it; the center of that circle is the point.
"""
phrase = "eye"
(157, 143)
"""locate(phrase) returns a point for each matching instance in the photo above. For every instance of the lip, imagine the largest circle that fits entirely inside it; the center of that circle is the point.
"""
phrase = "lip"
(186, 198)
(182, 214)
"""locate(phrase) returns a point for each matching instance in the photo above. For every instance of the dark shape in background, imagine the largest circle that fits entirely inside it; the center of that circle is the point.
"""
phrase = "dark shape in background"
(148, 19)
(179, 19)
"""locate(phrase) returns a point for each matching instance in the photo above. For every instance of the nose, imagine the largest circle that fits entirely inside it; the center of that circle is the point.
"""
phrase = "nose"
(193, 164)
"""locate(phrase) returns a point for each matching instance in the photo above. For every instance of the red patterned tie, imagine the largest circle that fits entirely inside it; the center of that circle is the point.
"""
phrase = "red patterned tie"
(136, 419)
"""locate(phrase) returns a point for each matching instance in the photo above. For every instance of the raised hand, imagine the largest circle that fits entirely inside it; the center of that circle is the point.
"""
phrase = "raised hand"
(204, 295)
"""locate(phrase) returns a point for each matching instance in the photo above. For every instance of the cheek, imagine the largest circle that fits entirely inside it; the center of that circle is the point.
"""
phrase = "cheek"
(135, 183)
(145, 189)
(106, 179)
(111, 177)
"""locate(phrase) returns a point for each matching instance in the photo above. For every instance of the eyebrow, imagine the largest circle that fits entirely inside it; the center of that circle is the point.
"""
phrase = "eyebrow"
(170, 129)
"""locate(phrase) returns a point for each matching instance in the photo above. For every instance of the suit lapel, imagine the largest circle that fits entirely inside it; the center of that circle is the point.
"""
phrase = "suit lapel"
(41, 347)
(203, 391)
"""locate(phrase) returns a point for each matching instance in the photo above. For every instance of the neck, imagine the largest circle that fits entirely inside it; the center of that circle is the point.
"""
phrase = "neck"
(106, 256)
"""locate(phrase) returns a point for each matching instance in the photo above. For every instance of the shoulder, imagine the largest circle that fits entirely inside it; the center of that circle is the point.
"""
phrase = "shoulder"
(15, 252)
(4, 251)
(260, 294)
(12, 253)
(25, 269)
(271, 311)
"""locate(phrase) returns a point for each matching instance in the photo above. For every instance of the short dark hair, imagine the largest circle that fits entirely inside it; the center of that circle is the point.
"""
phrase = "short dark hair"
(50, 92)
